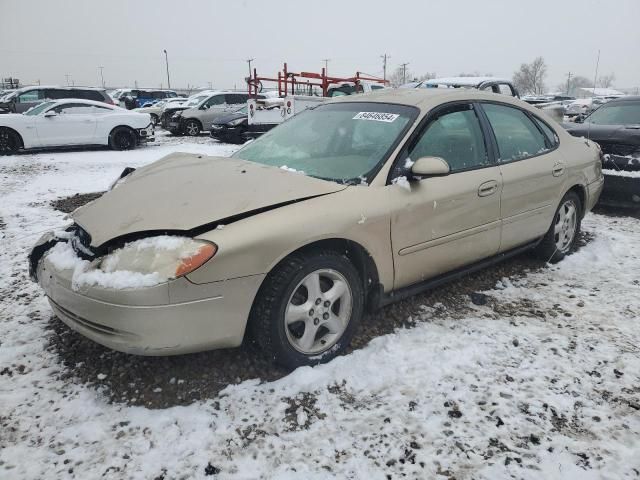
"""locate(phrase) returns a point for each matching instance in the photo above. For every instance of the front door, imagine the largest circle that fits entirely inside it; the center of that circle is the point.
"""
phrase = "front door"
(533, 173)
(211, 110)
(73, 124)
(442, 223)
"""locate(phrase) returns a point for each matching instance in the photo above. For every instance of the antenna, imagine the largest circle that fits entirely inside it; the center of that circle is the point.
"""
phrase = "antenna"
(593, 93)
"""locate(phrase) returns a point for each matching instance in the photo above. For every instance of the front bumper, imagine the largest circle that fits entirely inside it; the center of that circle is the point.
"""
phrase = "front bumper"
(146, 134)
(171, 318)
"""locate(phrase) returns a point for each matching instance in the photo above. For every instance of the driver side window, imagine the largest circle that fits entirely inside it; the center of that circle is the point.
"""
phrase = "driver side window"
(454, 135)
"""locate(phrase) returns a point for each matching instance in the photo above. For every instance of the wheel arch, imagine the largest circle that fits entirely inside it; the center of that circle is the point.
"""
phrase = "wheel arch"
(580, 190)
(128, 127)
(360, 257)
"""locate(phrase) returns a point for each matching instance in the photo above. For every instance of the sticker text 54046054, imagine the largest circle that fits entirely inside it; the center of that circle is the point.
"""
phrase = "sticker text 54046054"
(376, 116)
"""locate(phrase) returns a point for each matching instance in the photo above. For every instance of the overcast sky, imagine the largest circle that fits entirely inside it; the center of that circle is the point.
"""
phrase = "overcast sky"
(209, 41)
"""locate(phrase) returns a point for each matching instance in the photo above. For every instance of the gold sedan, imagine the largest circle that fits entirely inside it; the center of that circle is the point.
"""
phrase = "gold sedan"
(345, 207)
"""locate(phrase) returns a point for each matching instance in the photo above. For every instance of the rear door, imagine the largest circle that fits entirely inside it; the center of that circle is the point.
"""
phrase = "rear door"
(533, 172)
(442, 223)
(74, 124)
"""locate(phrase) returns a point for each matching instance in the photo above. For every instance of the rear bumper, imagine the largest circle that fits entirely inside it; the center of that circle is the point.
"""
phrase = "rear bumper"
(171, 318)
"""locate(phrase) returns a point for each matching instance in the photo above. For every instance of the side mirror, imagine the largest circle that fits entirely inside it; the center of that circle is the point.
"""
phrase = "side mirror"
(50, 113)
(579, 118)
(429, 167)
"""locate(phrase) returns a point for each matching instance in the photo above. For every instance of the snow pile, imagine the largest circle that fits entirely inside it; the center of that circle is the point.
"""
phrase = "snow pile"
(402, 182)
(289, 169)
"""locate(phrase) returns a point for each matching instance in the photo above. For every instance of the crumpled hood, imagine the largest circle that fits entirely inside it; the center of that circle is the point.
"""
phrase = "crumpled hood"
(184, 191)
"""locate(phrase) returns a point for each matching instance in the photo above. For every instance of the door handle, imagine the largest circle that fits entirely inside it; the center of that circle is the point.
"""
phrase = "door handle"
(488, 188)
(558, 169)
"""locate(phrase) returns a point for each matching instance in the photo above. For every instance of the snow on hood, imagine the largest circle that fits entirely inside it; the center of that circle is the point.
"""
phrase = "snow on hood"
(184, 191)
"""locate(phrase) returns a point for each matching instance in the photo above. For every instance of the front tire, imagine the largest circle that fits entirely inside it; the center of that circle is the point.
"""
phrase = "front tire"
(308, 309)
(10, 142)
(192, 128)
(563, 232)
(122, 138)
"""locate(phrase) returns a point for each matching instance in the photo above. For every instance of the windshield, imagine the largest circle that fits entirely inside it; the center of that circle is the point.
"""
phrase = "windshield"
(195, 101)
(39, 108)
(627, 113)
(343, 142)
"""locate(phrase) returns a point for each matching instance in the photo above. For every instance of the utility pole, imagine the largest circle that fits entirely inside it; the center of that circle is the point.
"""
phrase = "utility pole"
(326, 65)
(404, 72)
(101, 75)
(249, 60)
(166, 59)
(67, 75)
(384, 58)
(568, 82)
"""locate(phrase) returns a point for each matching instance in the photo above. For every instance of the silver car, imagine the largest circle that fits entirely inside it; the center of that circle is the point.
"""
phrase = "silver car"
(200, 118)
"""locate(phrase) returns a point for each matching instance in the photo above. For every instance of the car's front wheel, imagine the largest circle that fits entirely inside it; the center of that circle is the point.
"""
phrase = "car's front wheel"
(192, 128)
(308, 309)
(9, 142)
(563, 232)
(122, 138)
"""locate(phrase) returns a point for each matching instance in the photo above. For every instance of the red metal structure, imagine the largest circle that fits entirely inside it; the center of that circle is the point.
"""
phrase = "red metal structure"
(294, 83)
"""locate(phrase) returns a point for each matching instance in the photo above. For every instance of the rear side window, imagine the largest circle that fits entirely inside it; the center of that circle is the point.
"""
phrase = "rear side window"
(236, 98)
(454, 135)
(548, 132)
(515, 133)
(91, 95)
(159, 95)
(31, 96)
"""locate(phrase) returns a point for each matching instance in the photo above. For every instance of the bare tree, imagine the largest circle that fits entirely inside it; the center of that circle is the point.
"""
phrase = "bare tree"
(529, 79)
(606, 81)
(574, 84)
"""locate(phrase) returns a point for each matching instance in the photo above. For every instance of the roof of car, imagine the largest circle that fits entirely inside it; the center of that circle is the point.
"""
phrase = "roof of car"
(464, 81)
(426, 97)
(57, 87)
(86, 102)
(626, 98)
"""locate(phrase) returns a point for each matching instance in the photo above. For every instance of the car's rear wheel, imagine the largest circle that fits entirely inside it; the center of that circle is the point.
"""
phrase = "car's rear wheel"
(563, 232)
(122, 138)
(192, 128)
(308, 309)
(10, 142)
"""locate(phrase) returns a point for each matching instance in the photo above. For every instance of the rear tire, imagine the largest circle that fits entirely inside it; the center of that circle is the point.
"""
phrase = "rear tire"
(561, 237)
(10, 142)
(192, 128)
(295, 325)
(122, 138)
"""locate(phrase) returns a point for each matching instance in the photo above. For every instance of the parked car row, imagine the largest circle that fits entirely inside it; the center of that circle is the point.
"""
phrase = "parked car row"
(348, 206)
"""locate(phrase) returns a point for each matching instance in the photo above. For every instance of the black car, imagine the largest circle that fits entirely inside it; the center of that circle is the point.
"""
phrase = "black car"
(615, 126)
(234, 128)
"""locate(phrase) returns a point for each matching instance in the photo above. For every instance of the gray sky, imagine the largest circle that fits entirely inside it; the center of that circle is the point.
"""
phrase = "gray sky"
(208, 41)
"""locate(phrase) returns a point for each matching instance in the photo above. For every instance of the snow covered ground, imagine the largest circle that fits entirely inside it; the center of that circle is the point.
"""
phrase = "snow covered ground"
(542, 381)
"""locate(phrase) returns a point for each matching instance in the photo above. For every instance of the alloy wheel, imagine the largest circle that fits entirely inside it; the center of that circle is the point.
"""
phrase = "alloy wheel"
(192, 129)
(318, 311)
(565, 225)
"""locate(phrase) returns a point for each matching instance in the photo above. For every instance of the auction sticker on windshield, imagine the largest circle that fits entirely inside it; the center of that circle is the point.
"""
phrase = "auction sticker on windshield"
(377, 116)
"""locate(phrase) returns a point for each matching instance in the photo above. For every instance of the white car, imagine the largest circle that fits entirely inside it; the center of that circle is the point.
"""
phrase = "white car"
(157, 108)
(73, 122)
